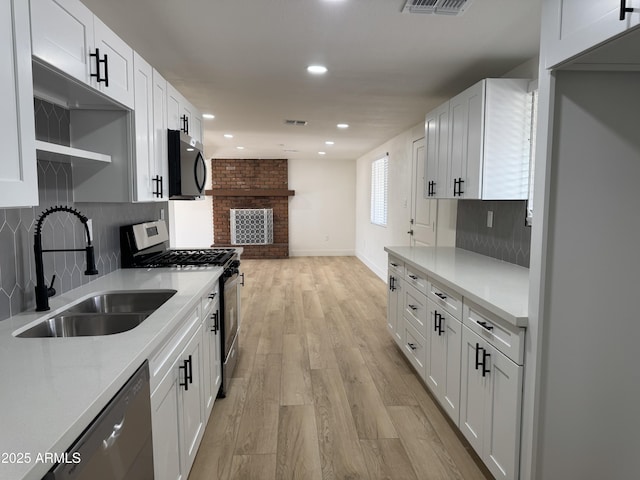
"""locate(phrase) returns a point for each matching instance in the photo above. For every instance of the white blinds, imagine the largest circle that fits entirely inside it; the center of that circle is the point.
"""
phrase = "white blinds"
(379, 170)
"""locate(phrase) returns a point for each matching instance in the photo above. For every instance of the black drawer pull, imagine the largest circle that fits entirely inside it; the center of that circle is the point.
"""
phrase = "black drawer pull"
(392, 283)
(394, 265)
(412, 307)
(440, 295)
(188, 377)
(413, 277)
(412, 346)
(485, 325)
(214, 317)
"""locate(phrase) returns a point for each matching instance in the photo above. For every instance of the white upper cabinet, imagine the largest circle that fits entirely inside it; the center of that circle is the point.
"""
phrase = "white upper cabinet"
(144, 167)
(436, 151)
(489, 148)
(114, 63)
(575, 26)
(161, 176)
(18, 176)
(67, 36)
(181, 115)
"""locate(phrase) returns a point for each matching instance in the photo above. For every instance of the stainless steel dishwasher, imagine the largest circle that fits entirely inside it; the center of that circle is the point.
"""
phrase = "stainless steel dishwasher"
(118, 444)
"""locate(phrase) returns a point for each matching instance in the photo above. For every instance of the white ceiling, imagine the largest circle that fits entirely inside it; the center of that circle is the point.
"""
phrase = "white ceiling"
(245, 62)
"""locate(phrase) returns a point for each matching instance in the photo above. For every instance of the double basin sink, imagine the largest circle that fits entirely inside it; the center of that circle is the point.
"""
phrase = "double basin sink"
(102, 314)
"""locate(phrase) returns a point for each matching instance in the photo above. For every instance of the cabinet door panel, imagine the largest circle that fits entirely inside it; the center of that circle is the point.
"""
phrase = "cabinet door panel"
(174, 109)
(167, 464)
(436, 354)
(502, 430)
(581, 24)
(451, 384)
(160, 132)
(472, 392)
(192, 409)
(62, 34)
(18, 176)
(144, 159)
(120, 64)
(423, 209)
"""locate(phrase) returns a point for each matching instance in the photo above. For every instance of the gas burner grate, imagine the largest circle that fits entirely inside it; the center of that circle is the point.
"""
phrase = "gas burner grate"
(181, 258)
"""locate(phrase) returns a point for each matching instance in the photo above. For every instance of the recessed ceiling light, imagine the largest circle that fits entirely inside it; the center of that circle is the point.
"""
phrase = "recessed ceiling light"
(322, 153)
(342, 125)
(240, 148)
(329, 142)
(208, 116)
(228, 135)
(317, 69)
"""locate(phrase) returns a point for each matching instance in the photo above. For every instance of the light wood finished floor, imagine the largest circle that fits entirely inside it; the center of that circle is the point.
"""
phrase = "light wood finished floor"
(321, 391)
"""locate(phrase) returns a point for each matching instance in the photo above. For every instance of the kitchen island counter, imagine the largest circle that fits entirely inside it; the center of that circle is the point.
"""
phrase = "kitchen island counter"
(52, 388)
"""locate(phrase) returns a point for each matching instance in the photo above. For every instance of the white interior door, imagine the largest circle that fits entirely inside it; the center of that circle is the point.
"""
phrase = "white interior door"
(423, 209)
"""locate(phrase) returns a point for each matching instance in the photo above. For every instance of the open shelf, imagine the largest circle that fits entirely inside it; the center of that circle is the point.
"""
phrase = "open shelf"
(61, 153)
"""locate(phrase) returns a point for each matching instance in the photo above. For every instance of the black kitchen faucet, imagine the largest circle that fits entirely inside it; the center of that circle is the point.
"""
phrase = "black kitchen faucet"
(43, 292)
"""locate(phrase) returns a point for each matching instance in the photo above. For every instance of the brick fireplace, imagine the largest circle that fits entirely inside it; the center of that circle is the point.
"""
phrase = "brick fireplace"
(251, 183)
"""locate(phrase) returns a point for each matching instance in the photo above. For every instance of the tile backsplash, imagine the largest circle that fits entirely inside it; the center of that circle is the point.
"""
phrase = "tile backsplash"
(509, 239)
(60, 230)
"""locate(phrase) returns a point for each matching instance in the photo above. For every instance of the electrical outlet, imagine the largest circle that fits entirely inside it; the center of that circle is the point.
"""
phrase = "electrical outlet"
(490, 219)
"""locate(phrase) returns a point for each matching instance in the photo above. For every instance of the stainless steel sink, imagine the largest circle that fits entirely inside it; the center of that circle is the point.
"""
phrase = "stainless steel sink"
(102, 314)
(85, 325)
(123, 302)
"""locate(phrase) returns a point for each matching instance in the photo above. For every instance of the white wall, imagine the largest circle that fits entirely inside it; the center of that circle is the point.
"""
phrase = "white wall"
(371, 239)
(322, 211)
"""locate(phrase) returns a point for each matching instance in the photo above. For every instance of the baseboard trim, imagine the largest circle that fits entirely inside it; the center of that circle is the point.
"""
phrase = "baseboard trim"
(321, 253)
(372, 266)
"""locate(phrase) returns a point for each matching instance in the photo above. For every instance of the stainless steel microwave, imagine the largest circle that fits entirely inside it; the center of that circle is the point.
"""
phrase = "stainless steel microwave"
(187, 167)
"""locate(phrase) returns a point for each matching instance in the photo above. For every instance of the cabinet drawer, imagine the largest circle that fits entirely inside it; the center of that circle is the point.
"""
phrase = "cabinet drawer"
(416, 278)
(444, 297)
(210, 299)
(396, 267)
(504, 337)
(414, 348)
(415, 309)
(160, 363)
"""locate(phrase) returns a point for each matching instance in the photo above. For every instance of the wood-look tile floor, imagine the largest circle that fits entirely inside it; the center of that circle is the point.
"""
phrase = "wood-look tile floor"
(321, 391)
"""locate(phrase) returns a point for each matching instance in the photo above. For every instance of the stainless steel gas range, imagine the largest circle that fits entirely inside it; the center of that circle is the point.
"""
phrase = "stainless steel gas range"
(146, 245)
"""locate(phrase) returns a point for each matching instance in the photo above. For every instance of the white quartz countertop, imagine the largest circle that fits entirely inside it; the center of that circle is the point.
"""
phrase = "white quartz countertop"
(500, 287)
(52, 388)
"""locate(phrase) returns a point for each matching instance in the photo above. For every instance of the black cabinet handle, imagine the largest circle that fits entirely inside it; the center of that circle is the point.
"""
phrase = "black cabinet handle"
(212, 296)
(432, 189)
(440, 327)
(157, 189)
(412, 346)
(485, 325)
(485, 356)
(412, 307)
(457, 187)
(478, 348)
(242, 282)
(440, 295)
(185, 124)
(190, 377)
(413, 277)
(392, 283)
(624, 10)
(436, 318)
(394, 265)
(214, 317)
(187, 373)
(99, 78)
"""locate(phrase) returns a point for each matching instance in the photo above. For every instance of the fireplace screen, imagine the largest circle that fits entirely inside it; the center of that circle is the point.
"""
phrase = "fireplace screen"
(251, 226)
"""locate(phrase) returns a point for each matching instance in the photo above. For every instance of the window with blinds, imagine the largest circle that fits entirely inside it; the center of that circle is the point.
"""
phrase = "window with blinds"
(379, 170)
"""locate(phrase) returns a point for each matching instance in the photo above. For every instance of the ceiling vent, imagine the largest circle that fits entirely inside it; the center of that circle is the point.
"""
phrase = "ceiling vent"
(299, 123)
(437, 7)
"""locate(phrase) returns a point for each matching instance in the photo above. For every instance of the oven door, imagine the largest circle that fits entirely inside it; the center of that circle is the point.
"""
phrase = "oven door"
(230, 306)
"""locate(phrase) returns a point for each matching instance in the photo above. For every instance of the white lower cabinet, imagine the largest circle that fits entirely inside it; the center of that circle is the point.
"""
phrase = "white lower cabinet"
(395, 299)
(444, 343)
(490, 404)
(471, 360)
(178, 399)
(212, 348)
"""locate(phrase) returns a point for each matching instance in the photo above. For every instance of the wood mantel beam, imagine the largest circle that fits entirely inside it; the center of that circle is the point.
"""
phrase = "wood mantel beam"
(250, 192)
